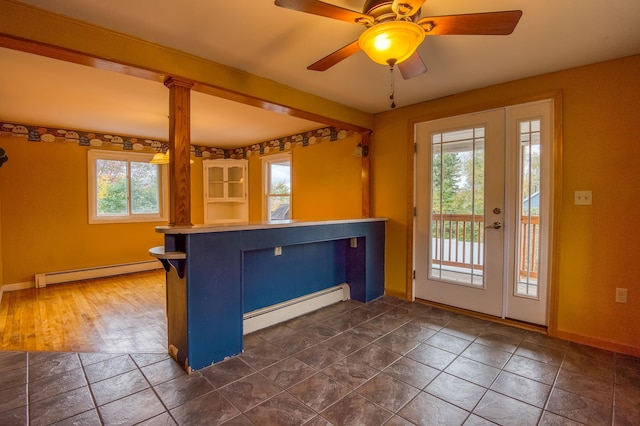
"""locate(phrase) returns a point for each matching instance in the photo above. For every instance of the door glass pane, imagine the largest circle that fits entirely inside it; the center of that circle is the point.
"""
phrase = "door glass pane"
(457, 206)
(145, 188)
(111, 187)
(529, 194)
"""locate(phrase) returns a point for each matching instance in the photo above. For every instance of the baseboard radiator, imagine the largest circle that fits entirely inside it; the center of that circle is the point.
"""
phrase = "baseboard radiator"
(274, 314)
(44, 279)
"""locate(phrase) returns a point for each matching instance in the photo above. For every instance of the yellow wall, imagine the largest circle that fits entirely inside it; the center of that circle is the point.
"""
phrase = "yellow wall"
(45, 226)
(598, 246)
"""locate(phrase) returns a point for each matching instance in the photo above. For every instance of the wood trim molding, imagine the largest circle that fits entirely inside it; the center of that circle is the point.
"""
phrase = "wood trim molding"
(366, 174)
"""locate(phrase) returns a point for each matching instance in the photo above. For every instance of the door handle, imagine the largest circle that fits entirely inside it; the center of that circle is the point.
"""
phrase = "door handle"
(496, 225)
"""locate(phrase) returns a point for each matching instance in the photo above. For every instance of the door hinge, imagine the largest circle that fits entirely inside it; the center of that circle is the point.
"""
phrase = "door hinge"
(415, 147)
(414, 274)
(415, 211)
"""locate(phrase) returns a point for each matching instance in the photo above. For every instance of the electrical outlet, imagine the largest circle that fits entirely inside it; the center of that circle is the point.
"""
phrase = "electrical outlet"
(277, 251)
(621, 295)
(582, 198)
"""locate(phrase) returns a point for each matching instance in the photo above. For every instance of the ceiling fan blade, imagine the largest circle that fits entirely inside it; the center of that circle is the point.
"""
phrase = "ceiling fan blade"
(412, 67)
(406, 7)
(335, 57)
(316, 7)
(489, 23)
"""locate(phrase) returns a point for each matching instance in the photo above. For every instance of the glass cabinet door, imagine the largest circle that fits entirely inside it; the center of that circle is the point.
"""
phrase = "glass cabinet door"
(216, 182)
(235, 181)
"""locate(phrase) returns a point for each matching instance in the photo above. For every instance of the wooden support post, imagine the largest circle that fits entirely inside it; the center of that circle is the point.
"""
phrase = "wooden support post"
(180, 151)
(366, 178)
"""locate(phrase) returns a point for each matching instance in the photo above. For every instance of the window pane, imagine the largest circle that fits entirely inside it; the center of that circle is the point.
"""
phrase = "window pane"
(145, 194)
(279, 207)
(111, 187)
(280, 178)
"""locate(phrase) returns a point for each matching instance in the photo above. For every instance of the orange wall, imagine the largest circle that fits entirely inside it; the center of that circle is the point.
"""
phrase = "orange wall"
(44, 192)
(599, 245)
(326, 181)
(44, 216)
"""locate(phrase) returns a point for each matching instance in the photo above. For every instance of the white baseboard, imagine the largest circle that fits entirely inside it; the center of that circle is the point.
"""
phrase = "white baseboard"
(274, 314)
(44, 279)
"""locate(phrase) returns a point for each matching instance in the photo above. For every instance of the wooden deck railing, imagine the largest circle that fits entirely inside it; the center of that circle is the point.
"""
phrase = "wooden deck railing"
(458, 241)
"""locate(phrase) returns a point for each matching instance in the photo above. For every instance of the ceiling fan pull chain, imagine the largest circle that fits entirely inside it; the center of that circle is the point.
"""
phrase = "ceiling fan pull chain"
(393, 88)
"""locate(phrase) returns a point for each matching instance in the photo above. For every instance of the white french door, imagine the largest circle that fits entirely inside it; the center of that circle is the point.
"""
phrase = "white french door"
(482, 211)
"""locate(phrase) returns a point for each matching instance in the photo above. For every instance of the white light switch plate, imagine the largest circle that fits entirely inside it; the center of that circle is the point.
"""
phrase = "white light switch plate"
(582, 198)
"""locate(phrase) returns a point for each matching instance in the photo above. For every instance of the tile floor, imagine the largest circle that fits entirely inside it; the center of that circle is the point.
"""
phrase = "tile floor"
(387, 362)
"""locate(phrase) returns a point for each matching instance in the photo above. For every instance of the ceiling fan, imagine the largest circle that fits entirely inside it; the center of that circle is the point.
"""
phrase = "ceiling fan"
(395, 30)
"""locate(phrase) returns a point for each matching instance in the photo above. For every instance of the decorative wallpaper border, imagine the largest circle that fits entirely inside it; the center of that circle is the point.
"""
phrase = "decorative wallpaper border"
(132, 143)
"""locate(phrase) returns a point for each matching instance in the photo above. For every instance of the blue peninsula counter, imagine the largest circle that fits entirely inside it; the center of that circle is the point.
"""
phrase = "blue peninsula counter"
(217, 276)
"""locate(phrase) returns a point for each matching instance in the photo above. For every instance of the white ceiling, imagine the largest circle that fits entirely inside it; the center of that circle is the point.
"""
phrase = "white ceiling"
(279, 44)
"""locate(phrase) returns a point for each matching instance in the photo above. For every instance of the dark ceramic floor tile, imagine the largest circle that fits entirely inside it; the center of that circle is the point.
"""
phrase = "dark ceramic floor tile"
(374, 356)
(516, 334)
(541, 353)
(109, 368)
(474, 420)
(240, 420)
(228, 371)
(60, 407)
(52, 365)
(350, 319)
(250, 391)
(592, 366)
(54, 385)
(389, 300)
(92, 358)
(506, 411)
(283, 409)
(387, 323)
(580, 409)
(522, 389)
(211, 409)
(626, 416)
(584, 385)
(10, 360)
(15, 417)
(415, 330)
(252, 340)
(531, 369)
(396, 343)
(318, 392)
(434, 322)
(346, 343)
(388, 392)
(456, 391)
(378, 307)
(118, 387)
(142, 360)
(398, 421)
(628, 370)
(13, 377)
(551, 419)
(591, 352)
(163, 419)
(183, 389)
(432, 356)
(368, 331)
(486, 355)
(319, 332)
(547, 341)
(263, 356)
(448, 343)
(292, 345)
(426, 409)
(276, 332)
(162, 371)
(319, 356)
(300, 323)
(473, 371)
(412, 372)
(324, 314)
(132, 409)
(354, 409)
(88, 418)
(11, 398)
(288, 372)
(466, 328)
(350, 372)
(498, 341)
(627, 397)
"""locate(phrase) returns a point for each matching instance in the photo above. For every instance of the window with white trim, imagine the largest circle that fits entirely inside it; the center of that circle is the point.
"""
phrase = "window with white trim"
(126, 187)
(277, 188)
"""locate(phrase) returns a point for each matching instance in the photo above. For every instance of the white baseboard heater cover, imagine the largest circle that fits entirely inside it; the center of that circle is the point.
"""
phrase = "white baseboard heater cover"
(44, 279)
(274, 314)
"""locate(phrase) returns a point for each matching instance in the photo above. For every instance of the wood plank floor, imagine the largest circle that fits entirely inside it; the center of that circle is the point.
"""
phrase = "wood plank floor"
(117, 314)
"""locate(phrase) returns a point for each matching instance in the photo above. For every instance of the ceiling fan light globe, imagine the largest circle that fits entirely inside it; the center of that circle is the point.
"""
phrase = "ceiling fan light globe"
(393, 41)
